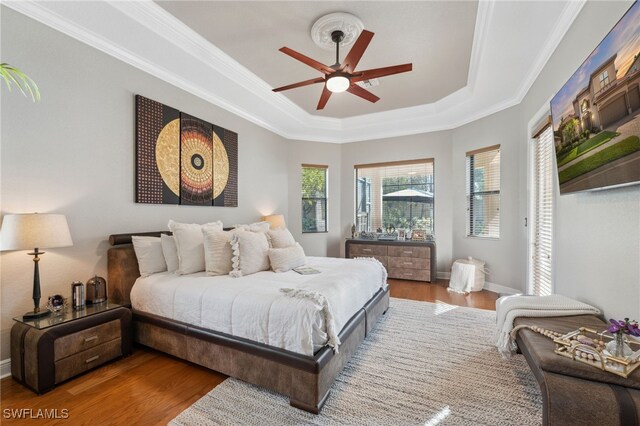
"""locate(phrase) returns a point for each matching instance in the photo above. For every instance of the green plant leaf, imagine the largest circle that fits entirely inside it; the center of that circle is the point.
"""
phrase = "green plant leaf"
(13, 76)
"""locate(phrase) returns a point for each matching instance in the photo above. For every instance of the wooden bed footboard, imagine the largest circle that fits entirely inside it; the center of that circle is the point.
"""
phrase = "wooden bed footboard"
(306, 380)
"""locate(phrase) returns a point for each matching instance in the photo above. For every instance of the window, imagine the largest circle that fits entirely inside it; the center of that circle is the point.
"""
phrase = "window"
(483, 192)
(604, 79)
(314, 198)
(540, 268)
(398, 194)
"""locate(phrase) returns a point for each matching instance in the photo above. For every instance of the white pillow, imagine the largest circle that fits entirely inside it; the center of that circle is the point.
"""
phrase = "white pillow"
(254, 227)
(170, 252)
(287, 258)
(217, 251)
(190, 245)
(149, 253)
(281, 238)
(250, 253)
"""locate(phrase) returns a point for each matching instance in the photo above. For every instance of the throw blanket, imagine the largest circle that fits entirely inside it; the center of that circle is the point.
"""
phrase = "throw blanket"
(508, 308)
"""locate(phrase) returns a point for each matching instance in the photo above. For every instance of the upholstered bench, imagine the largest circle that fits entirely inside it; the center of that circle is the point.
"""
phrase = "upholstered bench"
(572, 392)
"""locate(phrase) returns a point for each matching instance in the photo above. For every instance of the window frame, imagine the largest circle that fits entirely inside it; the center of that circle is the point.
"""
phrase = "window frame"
(356, 167)
(604, 79)
(325, 198)
(470, 171)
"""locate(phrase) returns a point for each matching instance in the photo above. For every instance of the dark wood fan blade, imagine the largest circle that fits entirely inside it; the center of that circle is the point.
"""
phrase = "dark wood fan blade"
(326, 94)
(300, 84)
(364, 94)
(353, 57)
(381, 72)
(307, 60)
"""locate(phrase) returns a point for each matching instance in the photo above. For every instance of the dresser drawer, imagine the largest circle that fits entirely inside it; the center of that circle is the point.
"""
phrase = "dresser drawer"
(371, 250)
(86, 360)
(409, 262)
(381, 259)
(410, 274)
(409, 251)
(82, 340)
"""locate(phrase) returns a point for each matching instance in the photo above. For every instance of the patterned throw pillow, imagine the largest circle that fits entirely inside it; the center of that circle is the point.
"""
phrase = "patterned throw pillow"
(250, 253)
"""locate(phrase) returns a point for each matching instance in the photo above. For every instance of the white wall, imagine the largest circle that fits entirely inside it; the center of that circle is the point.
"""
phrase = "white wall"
(73, 153)
(436, 145)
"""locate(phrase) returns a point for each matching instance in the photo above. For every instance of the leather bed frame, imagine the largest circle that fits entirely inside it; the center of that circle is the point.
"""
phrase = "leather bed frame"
(306, 380)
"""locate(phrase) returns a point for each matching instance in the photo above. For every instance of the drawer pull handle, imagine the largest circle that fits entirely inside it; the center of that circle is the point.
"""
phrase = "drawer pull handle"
(89, 339)
(93, 358)
(408, 263)
(364, 249)
(408, 252)
(408, 273)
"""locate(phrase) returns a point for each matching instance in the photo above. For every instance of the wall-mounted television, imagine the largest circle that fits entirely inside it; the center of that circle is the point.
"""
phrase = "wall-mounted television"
(596, 114)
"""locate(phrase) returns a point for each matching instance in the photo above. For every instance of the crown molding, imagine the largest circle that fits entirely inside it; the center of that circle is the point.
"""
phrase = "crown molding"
(191, 63)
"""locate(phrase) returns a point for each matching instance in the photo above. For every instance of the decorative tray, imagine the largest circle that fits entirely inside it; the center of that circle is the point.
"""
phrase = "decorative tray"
(589, 347)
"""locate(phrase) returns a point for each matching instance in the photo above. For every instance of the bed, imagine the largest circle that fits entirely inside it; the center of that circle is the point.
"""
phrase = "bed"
(303, 368)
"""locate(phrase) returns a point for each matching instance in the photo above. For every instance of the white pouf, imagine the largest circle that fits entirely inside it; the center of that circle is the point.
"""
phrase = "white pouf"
(467, 275)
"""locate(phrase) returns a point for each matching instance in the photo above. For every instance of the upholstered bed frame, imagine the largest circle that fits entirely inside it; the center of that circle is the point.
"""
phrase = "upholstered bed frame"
(306, 380)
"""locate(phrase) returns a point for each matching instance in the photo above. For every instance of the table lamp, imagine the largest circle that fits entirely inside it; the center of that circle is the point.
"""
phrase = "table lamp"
(33, 232)
(275, 221)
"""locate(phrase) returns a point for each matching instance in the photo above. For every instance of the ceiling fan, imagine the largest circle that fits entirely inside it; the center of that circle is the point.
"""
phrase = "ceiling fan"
(341, 77)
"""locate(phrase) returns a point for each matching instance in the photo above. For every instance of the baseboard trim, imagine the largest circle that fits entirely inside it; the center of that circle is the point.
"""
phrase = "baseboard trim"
(5, 368)
(443, 275)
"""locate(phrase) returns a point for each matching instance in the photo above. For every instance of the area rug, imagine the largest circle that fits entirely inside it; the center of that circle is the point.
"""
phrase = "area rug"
(425, 364)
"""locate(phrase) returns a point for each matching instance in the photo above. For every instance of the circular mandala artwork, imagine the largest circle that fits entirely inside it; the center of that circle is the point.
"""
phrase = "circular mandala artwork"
(220, 166)
(197, 165)
(168, 155)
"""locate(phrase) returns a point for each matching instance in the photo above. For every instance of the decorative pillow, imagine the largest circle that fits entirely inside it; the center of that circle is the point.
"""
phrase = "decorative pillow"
(190, 245)
(170, 252)
(149, 253)
(254, 227)
(287, 258)
(217, 251)
(250, 253)
(281, 238)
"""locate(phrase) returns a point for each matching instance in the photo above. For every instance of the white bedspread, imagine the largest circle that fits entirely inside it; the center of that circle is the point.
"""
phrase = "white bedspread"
(253, 307)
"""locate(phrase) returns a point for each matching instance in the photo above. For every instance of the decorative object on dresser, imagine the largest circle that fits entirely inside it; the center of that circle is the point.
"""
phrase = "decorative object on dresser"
(418, 235)
(181, 159)
(407, 260)
(96, 290)
(49, 351)
(33, 232)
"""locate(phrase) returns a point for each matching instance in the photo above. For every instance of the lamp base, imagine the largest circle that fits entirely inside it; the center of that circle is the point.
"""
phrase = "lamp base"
(35, 315)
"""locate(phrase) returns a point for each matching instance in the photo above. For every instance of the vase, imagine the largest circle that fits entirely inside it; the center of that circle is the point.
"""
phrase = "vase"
(618, 346)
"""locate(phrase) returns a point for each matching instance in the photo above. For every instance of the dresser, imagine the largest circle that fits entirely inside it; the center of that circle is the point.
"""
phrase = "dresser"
(53, 349)
(406, 260)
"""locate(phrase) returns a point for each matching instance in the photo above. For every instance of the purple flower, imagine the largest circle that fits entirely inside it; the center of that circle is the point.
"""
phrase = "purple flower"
(624, 327)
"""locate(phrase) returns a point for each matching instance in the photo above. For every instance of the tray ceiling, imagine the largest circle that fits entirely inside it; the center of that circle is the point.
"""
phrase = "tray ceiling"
(435, 36)
(236, 64)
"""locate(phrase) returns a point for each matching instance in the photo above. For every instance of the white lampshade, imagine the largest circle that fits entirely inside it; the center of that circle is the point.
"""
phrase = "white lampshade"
(337, 83)
(30, 231)
(275, 221)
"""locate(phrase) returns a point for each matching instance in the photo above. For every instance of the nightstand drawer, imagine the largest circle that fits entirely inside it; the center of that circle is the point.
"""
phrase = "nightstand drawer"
(381, 259)
(82, 340)
(409, 263)
(410, 274)
(408, 251)
(359, 250)
(86, 360)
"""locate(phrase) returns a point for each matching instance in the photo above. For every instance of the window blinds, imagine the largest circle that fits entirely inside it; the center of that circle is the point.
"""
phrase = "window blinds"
(541, 265)
(483, 192)
(398, 193)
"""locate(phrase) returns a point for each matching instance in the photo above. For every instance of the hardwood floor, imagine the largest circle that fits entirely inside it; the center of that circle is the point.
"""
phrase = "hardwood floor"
(149, 387)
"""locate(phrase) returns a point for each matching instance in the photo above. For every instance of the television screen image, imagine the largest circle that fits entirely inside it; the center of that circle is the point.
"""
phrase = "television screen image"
(596, 114)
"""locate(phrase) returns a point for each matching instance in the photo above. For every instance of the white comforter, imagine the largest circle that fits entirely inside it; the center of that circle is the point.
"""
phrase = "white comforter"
(255, 308)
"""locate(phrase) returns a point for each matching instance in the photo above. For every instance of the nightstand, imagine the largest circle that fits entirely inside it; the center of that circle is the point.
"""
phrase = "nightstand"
(55, 348)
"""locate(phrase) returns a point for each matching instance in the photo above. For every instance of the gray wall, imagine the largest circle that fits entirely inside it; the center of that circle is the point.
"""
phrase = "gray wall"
(73, 153)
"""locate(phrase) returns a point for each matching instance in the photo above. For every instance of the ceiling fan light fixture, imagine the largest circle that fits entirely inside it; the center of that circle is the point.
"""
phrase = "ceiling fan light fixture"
(338, 83)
